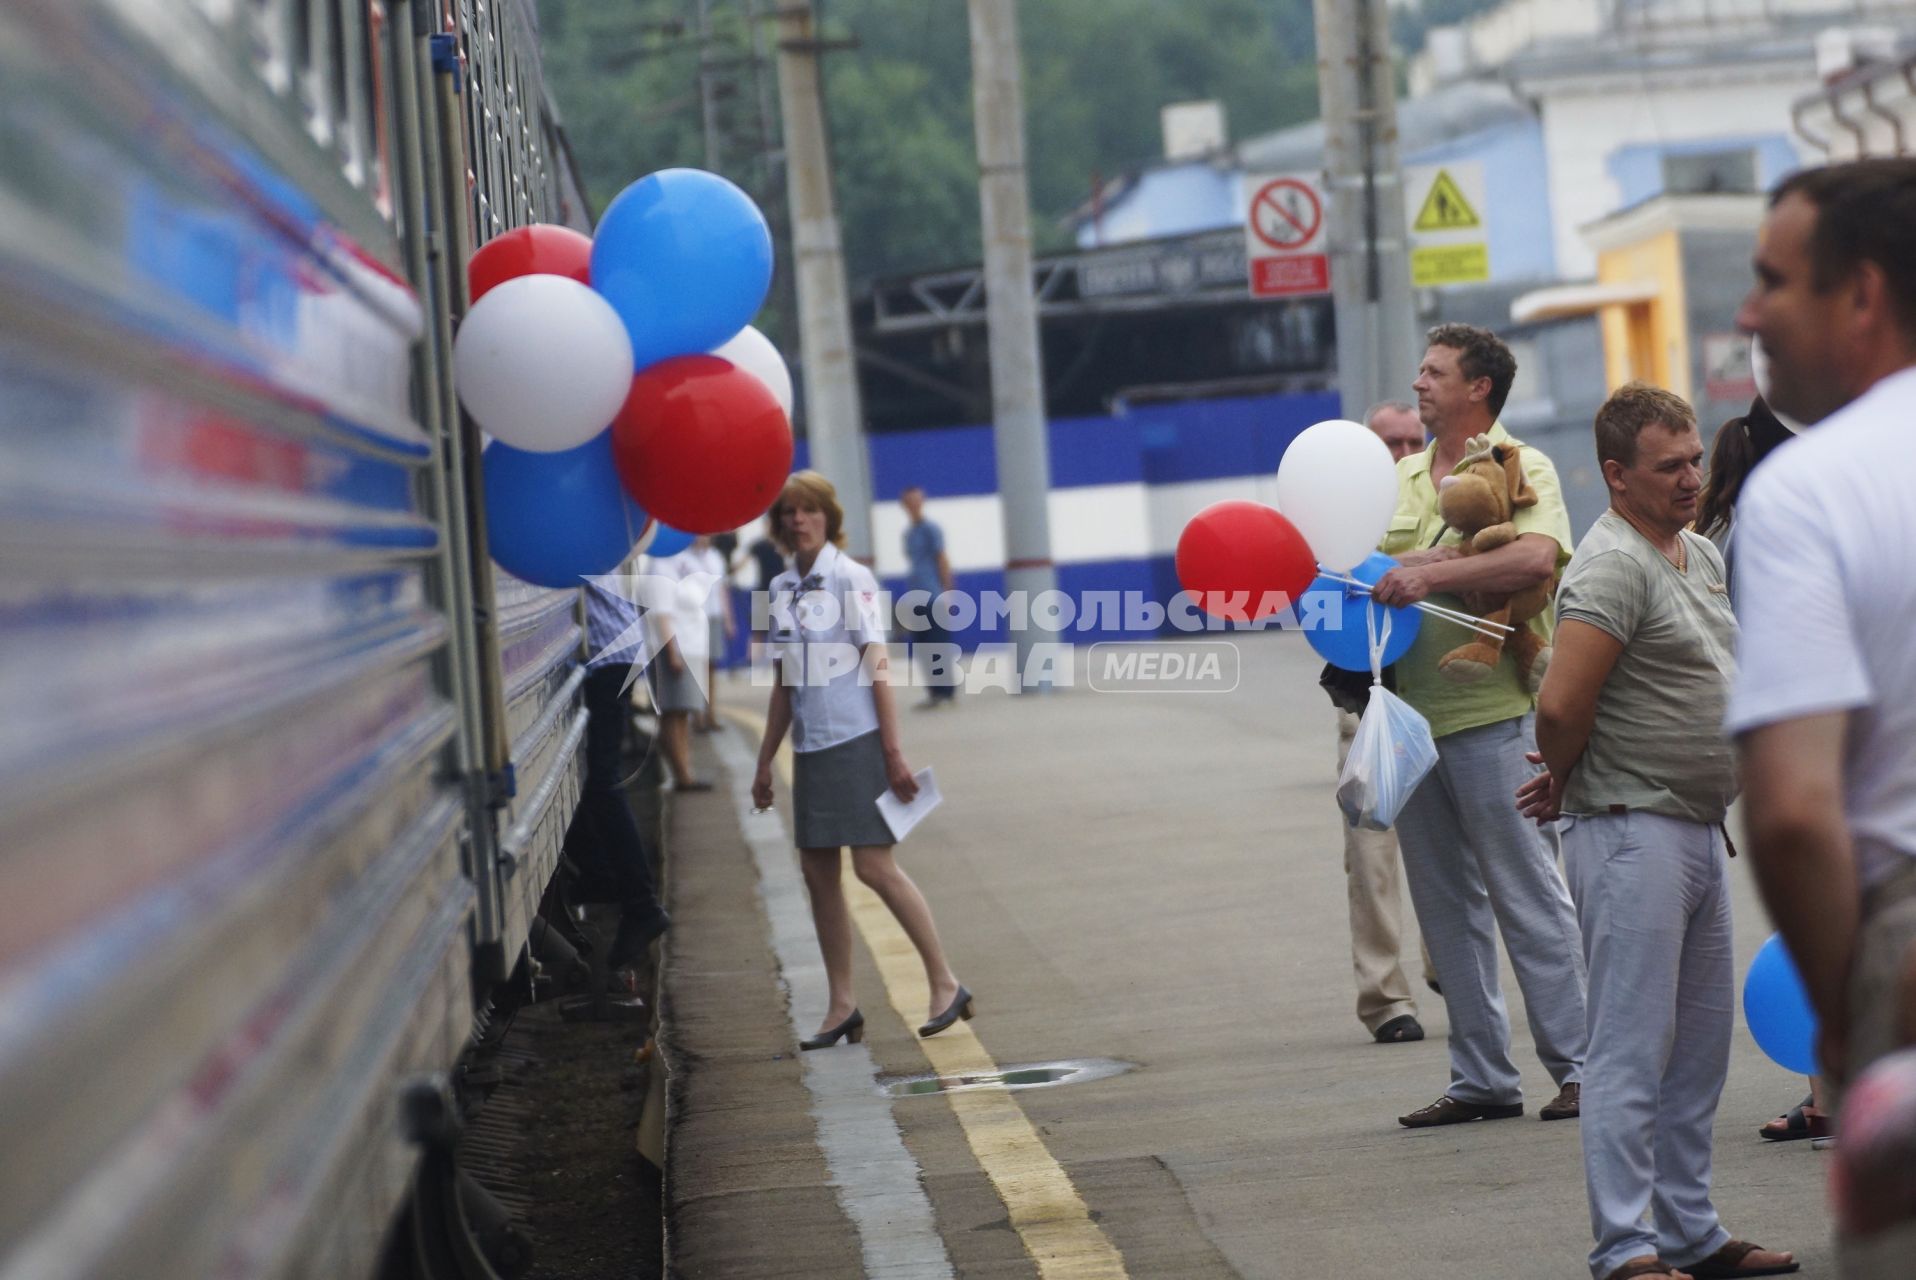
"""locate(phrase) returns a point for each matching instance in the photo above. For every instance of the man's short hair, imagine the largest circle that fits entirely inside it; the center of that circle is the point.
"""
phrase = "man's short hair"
(1480, 354)
(1387, 406)
(1865, 210)
(1632, 407)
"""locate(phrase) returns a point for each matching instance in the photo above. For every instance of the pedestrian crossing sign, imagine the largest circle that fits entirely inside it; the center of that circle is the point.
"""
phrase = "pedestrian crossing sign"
(1445, 208)
(1450, 232)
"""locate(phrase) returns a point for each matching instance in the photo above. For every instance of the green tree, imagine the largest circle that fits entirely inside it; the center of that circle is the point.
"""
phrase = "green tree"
(1097, 73)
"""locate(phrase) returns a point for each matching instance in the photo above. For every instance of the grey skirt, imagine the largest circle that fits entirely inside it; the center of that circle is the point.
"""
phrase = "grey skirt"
(674, 690)
(835, 795)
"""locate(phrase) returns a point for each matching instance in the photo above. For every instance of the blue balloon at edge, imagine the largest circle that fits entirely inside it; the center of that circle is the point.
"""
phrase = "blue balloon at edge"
(1777, 1008)
(1347, 643)
(685, 258)
(668, 542)
(552, 518)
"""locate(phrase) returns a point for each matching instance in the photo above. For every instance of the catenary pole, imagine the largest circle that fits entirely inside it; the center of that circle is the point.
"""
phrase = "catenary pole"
(1378, 345)
(834, 418)
(1017, 374)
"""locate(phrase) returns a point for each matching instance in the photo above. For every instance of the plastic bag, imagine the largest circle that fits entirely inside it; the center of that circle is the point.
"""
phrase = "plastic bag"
(1389, 756)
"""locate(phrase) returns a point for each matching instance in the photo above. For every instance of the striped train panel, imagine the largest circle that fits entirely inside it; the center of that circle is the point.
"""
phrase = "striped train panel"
(239, 861)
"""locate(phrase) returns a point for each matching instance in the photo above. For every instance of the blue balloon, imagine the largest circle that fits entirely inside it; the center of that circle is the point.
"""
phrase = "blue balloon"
(552, 518)
(1335, 624)
(685, 258)
(1777, 1007)
(668, 542)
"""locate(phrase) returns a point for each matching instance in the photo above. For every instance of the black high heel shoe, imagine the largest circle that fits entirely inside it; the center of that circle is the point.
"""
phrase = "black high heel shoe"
(960, 1007)
(851, 1030)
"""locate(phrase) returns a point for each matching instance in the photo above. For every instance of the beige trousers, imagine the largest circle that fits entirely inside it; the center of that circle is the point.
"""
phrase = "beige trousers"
(1371, 875)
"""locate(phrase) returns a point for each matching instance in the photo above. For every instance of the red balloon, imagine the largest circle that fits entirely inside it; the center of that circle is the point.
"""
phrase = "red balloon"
(1236, 557)
(701, 444)
(538, 250)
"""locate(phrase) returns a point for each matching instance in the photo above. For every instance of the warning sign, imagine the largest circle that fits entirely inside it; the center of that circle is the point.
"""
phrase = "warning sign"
(1440, 264)
(1284, 236)
(1449, 233)
(1445, 208)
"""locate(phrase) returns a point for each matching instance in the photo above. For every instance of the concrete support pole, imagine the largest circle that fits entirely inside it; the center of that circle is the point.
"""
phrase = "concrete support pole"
(1011, 311)
(1378, 343)
(708, 90)
(834, 419)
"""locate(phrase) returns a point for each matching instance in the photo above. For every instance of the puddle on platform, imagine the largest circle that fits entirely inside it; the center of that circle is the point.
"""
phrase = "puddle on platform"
(1036, 1075)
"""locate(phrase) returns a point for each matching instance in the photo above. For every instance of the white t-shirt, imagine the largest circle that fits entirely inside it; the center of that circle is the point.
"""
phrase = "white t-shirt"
(689, 601)
(712, 561)
(1826, 593)
(818, 637)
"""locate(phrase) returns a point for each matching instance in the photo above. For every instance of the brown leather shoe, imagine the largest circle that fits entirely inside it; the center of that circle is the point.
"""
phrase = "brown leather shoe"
(1567, 1105)
(1449, 1110)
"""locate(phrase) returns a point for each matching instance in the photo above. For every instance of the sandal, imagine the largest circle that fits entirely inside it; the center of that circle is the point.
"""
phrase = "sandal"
(1796, 1124)
(1727, 1263)
(1643, 1267)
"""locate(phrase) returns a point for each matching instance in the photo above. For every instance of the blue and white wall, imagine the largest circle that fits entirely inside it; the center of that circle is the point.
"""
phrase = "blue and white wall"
(1637, 168)
(1170, 200)
(1122, 489)
(1517, 188)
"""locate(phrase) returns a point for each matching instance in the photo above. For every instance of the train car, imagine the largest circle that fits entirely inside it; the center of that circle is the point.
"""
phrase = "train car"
(285, 764)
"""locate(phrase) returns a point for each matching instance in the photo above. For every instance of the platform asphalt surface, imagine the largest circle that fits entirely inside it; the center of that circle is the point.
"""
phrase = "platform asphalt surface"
(1153, 878)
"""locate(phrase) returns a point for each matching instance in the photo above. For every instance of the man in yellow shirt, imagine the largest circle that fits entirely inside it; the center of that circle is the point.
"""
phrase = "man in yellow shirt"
(1473, 863)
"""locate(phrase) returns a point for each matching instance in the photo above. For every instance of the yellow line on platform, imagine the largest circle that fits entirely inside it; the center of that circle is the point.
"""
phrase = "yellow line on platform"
(1046, 1209)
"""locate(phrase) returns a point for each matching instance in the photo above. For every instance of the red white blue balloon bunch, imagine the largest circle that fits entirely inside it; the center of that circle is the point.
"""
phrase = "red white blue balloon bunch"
(629, 399)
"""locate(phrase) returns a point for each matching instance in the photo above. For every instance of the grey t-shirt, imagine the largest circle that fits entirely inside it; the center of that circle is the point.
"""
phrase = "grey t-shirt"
(1657, 745)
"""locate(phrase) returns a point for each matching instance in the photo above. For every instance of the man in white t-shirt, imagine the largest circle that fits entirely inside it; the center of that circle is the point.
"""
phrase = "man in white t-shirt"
(1824, 708)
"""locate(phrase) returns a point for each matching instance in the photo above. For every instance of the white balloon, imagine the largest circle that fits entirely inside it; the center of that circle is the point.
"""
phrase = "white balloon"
(753, 352)
(1338, 485)
(542, 363)
(1760, 370)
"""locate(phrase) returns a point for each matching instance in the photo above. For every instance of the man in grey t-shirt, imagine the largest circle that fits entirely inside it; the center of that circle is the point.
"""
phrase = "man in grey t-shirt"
(1635, 766)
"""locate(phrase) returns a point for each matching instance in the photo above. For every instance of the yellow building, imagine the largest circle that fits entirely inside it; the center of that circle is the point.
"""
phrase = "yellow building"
(1670, 274)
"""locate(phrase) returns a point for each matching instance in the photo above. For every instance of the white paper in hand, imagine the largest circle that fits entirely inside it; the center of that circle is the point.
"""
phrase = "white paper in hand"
(902, 817)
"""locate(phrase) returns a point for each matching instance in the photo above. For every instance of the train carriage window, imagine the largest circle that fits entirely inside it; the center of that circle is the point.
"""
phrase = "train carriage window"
(515, 139)
(338, 109)
(270, 38)
(478, 156)
(501, 194)
(309, 62)
(528, 144)
(376, 99)
(355, 82)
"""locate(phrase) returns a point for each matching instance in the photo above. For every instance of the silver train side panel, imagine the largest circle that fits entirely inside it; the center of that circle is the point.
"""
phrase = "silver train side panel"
(240, 865)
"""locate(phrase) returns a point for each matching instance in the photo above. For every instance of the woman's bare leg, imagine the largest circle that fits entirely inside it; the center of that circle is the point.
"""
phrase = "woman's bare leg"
(833, 924)
(876, 867)
(674, 727)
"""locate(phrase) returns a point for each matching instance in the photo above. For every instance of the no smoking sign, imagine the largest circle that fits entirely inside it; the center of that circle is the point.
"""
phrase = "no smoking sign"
(1284, 226)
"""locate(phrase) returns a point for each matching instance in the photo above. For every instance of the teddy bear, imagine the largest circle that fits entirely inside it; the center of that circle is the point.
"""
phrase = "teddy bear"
(1479, 501)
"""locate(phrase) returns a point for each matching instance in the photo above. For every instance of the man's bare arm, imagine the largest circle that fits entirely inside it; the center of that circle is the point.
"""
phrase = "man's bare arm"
(1567, 703)
(1805, 867)
(1531, 559)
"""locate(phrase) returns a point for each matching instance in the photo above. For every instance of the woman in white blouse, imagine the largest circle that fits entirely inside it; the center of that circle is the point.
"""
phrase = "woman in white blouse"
(828, 636)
